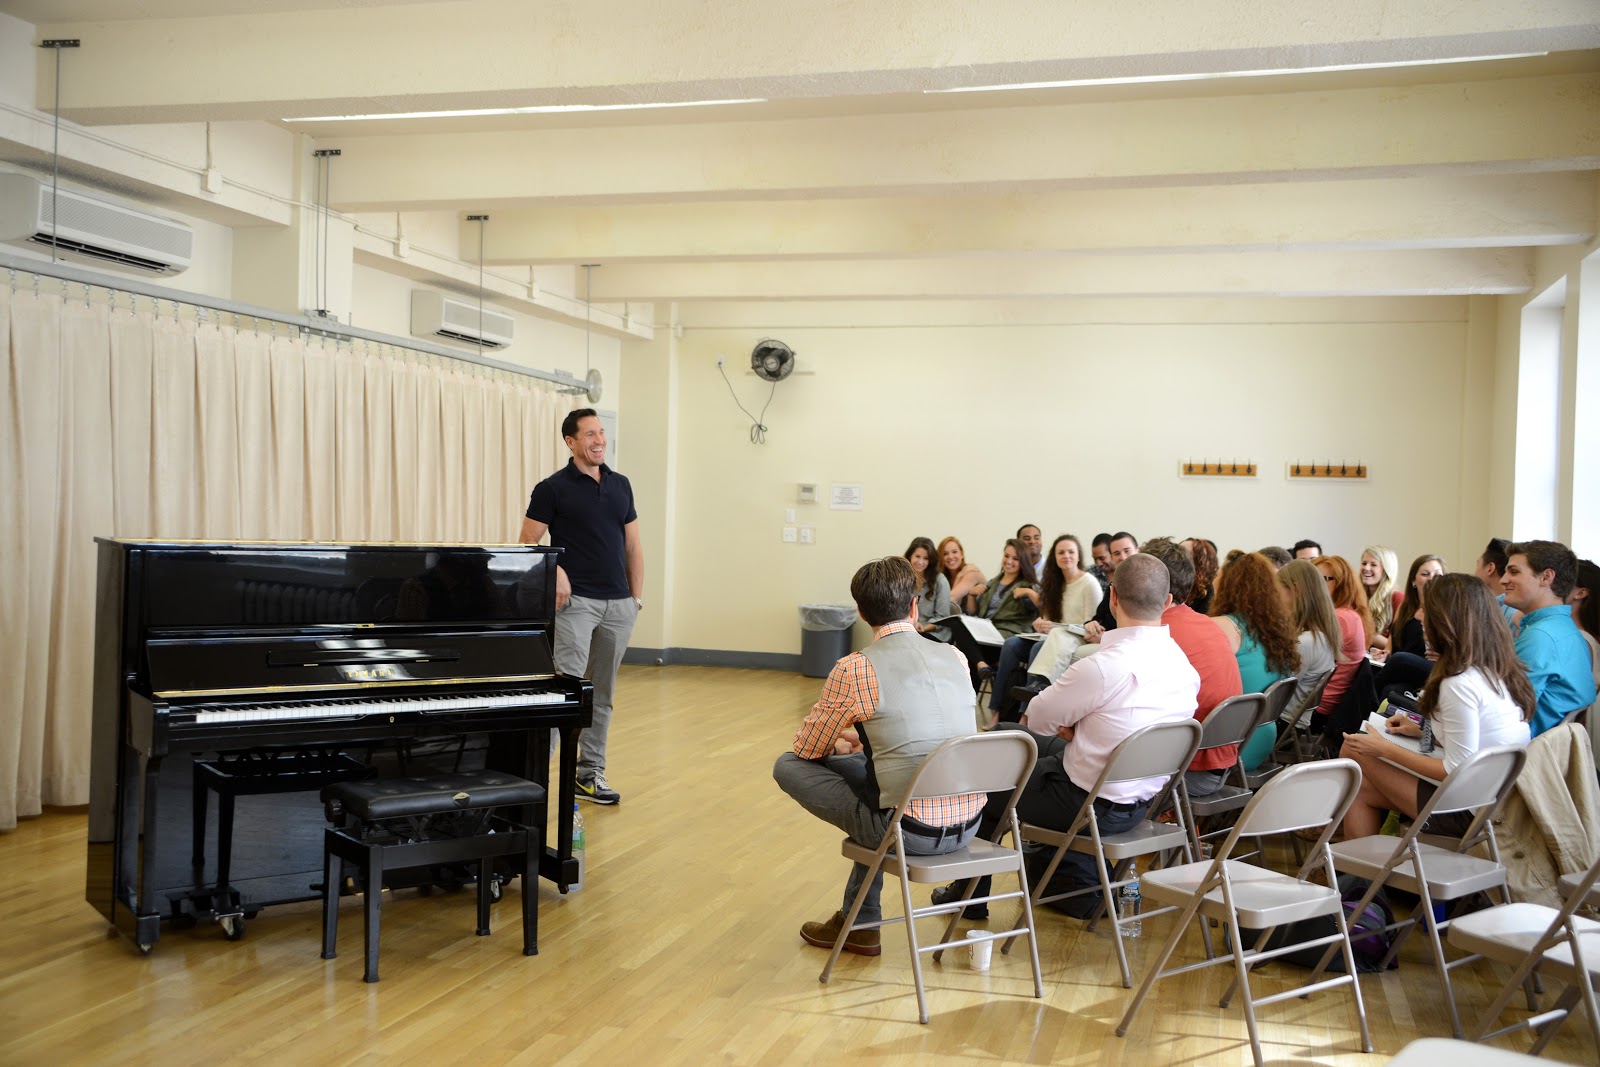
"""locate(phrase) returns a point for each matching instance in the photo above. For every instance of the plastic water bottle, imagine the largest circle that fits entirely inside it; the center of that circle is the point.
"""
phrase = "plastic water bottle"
(1128, 905)
(580, 840)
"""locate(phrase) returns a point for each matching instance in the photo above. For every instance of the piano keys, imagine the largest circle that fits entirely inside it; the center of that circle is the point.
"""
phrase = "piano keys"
(390, 654)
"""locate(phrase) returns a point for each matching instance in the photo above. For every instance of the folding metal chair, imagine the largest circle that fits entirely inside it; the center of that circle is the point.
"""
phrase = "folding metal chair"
(1437, 874)
(1534, 938)
(1278, 695)
(1243, 896)
(1163, 749)
(1230, 723)
(1293, 746)
(978, 763)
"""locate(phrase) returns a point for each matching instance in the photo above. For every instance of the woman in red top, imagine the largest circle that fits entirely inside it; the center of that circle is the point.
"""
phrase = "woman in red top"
(1355, 626)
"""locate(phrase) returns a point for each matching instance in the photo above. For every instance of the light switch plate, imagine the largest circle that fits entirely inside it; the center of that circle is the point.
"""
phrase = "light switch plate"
(808, 535)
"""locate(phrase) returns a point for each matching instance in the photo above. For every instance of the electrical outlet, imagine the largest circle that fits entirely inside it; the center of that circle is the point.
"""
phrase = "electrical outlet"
(719, 359)
(788, 535)
(808, 535)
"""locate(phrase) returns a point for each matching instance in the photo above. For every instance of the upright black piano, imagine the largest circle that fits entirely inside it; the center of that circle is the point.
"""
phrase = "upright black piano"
(401, 658)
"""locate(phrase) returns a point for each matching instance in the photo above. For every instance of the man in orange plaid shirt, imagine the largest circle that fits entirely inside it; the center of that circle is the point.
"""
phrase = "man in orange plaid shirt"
(882, 711)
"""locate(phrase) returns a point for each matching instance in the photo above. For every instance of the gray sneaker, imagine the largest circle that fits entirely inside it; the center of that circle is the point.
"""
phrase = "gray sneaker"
(596, 791)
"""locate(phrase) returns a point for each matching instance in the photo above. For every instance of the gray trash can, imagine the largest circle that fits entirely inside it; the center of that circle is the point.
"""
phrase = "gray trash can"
(824, 636)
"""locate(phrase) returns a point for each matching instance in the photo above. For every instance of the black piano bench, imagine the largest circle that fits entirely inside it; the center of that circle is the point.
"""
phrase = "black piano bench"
(442, 819)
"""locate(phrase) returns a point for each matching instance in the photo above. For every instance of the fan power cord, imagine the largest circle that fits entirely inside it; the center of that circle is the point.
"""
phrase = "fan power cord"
(758, 430)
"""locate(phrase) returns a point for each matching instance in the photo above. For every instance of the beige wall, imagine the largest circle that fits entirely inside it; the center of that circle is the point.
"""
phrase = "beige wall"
(1079, 428)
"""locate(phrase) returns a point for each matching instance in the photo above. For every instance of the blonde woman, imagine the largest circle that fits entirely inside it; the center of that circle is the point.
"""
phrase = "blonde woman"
(1377, 569)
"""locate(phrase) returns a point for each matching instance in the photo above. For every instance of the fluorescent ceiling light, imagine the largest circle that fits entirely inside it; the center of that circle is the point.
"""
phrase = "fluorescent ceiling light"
(547, 109)
(1142, 79)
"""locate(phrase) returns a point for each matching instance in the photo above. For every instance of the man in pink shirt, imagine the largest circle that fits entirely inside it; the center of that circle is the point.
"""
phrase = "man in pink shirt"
(1139, 677)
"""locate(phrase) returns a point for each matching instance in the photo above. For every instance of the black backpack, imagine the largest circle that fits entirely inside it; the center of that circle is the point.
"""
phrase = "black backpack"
(1368, 938)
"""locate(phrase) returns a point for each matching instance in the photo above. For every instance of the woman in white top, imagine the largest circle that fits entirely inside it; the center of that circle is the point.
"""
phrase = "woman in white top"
(1478, 696)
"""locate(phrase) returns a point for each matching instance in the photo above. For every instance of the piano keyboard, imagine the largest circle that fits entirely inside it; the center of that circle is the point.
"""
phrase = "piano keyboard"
(357, 708)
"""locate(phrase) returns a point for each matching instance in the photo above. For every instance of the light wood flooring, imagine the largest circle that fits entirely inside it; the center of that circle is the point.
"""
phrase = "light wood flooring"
(681, 949)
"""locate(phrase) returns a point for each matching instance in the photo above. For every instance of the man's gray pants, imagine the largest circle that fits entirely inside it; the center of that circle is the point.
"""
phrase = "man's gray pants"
(833, 789)
(591, 636)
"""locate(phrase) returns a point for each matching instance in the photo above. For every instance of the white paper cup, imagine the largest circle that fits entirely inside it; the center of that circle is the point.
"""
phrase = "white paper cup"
(979, 953)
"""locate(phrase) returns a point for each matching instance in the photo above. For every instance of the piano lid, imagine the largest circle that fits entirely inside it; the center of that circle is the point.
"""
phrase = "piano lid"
(216, 586)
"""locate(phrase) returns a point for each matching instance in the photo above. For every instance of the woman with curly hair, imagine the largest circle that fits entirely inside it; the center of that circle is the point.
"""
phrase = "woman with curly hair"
(1252, 616)
(1477, 697)
(1204, 554)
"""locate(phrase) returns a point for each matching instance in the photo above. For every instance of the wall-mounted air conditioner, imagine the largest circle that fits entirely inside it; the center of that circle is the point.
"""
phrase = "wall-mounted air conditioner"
(442, 318)
(90, 230)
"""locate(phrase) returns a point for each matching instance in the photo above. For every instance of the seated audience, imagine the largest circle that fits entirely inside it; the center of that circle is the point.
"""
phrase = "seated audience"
(1477, 697)
(1140, 677)
(1033, 543)
(1122, 545)
(1321, 637)
(1100, 552)
(881, 712)
(1004, 601)
(1355, 626)
(1378, 567)
(964, 578)
(1208, 653)
(1406, 629)
(1491, 566)
(1277, 555)
(1306, 549)
(1204, 554)
(933, 589)
(1539, 576)
(1066, 594)
(1252, 615)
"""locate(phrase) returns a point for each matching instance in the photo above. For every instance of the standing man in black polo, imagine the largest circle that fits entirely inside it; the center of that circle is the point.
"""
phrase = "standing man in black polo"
(588, 509)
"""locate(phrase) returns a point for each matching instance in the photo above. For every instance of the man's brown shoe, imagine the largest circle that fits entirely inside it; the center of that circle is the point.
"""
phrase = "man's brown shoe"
(823, 935)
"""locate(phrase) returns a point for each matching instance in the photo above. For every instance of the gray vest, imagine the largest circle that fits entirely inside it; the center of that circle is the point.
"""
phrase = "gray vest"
(924, 698)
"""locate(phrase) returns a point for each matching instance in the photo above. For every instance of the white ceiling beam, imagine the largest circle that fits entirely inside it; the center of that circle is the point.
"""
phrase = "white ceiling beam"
(1476, 212)
(478, 53)
(1504, 126)
(1450, 272)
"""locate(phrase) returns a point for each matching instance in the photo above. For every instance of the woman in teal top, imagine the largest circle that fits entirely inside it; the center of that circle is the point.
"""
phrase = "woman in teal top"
(1252, 615)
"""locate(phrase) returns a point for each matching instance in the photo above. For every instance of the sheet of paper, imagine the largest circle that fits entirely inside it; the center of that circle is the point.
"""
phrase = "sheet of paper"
(982, 630)
(1378, 724)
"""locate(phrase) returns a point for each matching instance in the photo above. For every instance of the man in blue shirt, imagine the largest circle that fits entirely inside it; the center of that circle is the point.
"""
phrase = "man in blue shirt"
(588, 509)
(1538, 576)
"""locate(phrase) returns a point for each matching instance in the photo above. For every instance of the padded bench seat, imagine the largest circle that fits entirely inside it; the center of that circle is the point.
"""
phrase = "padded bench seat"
(439, 819)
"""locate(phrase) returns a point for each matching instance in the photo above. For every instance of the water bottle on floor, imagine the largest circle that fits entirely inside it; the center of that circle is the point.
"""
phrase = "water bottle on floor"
(1128, 905)
(579, 841)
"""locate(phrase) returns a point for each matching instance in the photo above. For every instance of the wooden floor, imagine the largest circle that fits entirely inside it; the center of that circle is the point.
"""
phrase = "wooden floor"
(681, 949)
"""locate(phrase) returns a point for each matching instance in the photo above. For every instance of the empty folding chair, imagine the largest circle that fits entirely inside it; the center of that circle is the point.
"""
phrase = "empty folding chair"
(1296, 744)
(1554, 942)
(1439, 875)
(1230, 723)
(1164, 749)
(979, 763)
(1242, 896)
(1278, 694)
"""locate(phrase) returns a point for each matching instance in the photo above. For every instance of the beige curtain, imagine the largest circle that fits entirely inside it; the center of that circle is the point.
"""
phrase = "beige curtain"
(144, 422)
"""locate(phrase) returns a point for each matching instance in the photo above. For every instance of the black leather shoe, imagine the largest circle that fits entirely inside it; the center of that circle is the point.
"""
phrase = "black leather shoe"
(949, 894)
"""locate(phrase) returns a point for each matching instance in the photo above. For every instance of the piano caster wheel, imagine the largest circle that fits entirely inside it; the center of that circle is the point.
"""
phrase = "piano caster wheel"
(232, 926)
(145, 950)
(497, 889)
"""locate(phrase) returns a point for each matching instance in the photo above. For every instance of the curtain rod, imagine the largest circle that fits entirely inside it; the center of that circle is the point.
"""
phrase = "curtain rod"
(305, 323)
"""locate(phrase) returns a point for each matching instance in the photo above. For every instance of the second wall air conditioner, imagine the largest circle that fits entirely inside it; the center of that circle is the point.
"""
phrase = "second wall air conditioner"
(439, 317)
(90, 230)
